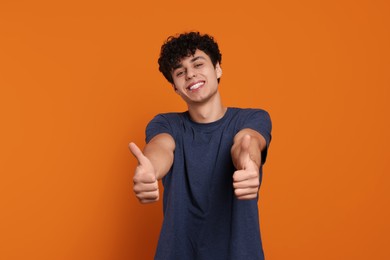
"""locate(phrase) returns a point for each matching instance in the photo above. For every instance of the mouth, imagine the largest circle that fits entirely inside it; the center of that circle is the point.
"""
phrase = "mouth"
(195, 85)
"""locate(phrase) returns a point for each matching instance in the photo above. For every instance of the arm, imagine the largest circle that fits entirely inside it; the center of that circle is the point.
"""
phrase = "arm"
(153, 164)
(246, 156)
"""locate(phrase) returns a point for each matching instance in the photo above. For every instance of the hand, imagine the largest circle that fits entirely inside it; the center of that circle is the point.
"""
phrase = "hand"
(246, 180)
(145, 181)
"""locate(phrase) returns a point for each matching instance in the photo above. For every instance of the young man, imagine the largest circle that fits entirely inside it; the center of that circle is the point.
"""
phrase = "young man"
(209, 159)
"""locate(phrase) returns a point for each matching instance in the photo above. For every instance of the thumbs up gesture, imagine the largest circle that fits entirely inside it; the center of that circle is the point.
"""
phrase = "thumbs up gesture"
(246, 181)
(145, 181)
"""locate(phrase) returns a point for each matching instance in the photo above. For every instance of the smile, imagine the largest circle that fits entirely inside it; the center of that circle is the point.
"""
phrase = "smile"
(196, 85)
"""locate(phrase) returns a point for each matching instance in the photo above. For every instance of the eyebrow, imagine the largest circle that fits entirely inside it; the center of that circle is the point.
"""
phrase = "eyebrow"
(192, 60)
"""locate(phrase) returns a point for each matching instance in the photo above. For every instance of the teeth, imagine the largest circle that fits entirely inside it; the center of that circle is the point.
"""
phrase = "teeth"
(196, 86)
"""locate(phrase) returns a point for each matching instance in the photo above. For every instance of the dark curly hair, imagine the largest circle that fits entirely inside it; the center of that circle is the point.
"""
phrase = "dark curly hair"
(176, 48)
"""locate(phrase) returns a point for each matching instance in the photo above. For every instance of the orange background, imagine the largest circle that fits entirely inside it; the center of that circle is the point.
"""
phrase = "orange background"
(79, 80)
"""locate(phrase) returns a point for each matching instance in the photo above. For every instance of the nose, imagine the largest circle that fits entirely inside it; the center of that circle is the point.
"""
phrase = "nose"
(190, 74)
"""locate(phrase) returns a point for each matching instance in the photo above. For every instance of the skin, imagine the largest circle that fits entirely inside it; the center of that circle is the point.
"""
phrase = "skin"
(204, 106)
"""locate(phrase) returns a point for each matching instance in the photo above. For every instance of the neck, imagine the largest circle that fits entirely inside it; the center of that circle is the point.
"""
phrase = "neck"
(207, 112)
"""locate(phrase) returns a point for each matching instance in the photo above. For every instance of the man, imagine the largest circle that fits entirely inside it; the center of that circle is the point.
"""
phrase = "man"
(209, 159)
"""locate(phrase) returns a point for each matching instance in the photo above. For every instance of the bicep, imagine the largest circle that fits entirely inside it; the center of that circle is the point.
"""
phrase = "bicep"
(254, 134)
(164, 141)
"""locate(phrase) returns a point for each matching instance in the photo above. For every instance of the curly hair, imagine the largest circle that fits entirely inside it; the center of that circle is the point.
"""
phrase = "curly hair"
(176, 48)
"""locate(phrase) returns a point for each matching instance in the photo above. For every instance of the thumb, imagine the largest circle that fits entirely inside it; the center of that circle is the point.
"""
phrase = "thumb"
(134, 149)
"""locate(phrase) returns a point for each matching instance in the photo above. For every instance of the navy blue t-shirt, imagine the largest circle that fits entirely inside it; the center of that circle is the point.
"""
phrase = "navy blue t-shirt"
(202, 217)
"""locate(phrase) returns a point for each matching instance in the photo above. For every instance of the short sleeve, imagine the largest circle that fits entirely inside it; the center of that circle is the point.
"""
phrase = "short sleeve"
(260, 121)
(158, 125)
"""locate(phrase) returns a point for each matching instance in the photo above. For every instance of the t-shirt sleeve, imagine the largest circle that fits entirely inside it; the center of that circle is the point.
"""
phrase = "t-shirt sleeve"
(260, 121)
(158, 125)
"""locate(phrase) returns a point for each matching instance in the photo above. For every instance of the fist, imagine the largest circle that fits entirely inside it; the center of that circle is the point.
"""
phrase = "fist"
(145, 181)
(246, 183)
(246, 180)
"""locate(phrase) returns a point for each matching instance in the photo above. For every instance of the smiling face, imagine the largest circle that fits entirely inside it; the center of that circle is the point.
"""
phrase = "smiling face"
(195, 78)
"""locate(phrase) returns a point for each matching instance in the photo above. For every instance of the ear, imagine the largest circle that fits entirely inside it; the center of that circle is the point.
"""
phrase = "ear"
(218, 70)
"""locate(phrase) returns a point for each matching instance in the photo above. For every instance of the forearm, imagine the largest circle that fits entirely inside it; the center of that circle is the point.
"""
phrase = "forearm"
(160, 153)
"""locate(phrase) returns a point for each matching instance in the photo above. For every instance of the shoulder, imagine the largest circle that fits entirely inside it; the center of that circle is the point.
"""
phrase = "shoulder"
(250, 113)
(249, 110)
(170, 123)
(168, 117)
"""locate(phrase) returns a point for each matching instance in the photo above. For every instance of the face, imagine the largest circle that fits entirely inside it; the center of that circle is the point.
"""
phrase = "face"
(196, 78)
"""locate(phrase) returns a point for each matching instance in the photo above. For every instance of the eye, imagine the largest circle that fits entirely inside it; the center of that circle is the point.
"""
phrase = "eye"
(179, 73)
(197, 65)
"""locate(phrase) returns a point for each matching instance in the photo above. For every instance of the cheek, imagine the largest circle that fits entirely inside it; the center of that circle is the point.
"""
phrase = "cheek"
(177, 82)
(214, 76)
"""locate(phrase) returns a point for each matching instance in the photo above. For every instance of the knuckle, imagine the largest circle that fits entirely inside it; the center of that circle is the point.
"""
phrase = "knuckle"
(137, 187)
(136, 178)
(254, 174)
(151, 177)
